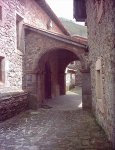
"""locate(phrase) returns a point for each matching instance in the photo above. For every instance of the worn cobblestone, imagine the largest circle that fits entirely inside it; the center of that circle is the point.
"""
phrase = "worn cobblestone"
(53, 129)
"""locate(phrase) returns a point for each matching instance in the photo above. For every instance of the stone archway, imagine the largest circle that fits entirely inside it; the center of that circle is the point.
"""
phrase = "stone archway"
(49, 72)
(44, 47)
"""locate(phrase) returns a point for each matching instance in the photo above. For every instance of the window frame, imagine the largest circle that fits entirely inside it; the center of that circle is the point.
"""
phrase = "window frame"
(99, 85)
(2, 70)
(19, 28)
(1, 13)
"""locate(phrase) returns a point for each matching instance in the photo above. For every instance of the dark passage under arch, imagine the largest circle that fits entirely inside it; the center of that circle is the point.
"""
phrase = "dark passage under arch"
(47, 81)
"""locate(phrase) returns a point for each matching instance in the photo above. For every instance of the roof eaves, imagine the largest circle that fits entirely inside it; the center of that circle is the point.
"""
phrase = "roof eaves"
(64, 38)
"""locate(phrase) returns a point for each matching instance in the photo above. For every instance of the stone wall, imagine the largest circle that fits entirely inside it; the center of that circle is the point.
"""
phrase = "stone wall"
(101, 37)
(41, 48)
(37, 44)
(33, 15)
(13, 69)
(12, 104)
(12, 58)
(36, 17)
(18, 60)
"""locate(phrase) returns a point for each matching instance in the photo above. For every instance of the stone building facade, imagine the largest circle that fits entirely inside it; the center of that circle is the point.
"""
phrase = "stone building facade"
(13, 15)
(76, 67)
(57, 52)
(100, 20)
(73, 75)
(35, 49)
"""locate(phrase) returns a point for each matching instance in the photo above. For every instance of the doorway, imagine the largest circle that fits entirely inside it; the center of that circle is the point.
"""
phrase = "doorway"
(47, 80)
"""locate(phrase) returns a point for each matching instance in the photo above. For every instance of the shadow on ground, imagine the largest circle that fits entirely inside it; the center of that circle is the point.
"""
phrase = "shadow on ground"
(71, 101)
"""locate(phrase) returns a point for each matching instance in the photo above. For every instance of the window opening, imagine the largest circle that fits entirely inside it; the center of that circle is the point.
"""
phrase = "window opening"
(1, 70)
(19, 23)
(0, 12)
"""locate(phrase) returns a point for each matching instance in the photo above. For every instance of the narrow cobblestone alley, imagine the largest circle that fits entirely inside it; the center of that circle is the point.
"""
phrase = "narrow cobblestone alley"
(63, 126)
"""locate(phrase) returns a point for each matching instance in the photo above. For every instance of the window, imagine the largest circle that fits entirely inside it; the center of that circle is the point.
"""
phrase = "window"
(19, 24)
(0, 12)
(1, 69)
(99, 86)
(49, 24)
(98, 79)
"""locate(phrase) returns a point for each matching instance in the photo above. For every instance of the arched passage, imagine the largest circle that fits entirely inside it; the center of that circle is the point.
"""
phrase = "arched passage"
(49, 75)
(58, 51)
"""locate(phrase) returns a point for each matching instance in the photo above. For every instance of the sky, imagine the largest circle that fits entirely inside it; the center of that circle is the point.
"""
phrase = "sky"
(62, 8)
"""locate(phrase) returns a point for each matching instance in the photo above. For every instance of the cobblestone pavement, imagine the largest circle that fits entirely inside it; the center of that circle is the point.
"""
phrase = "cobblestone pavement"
(53, 129)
